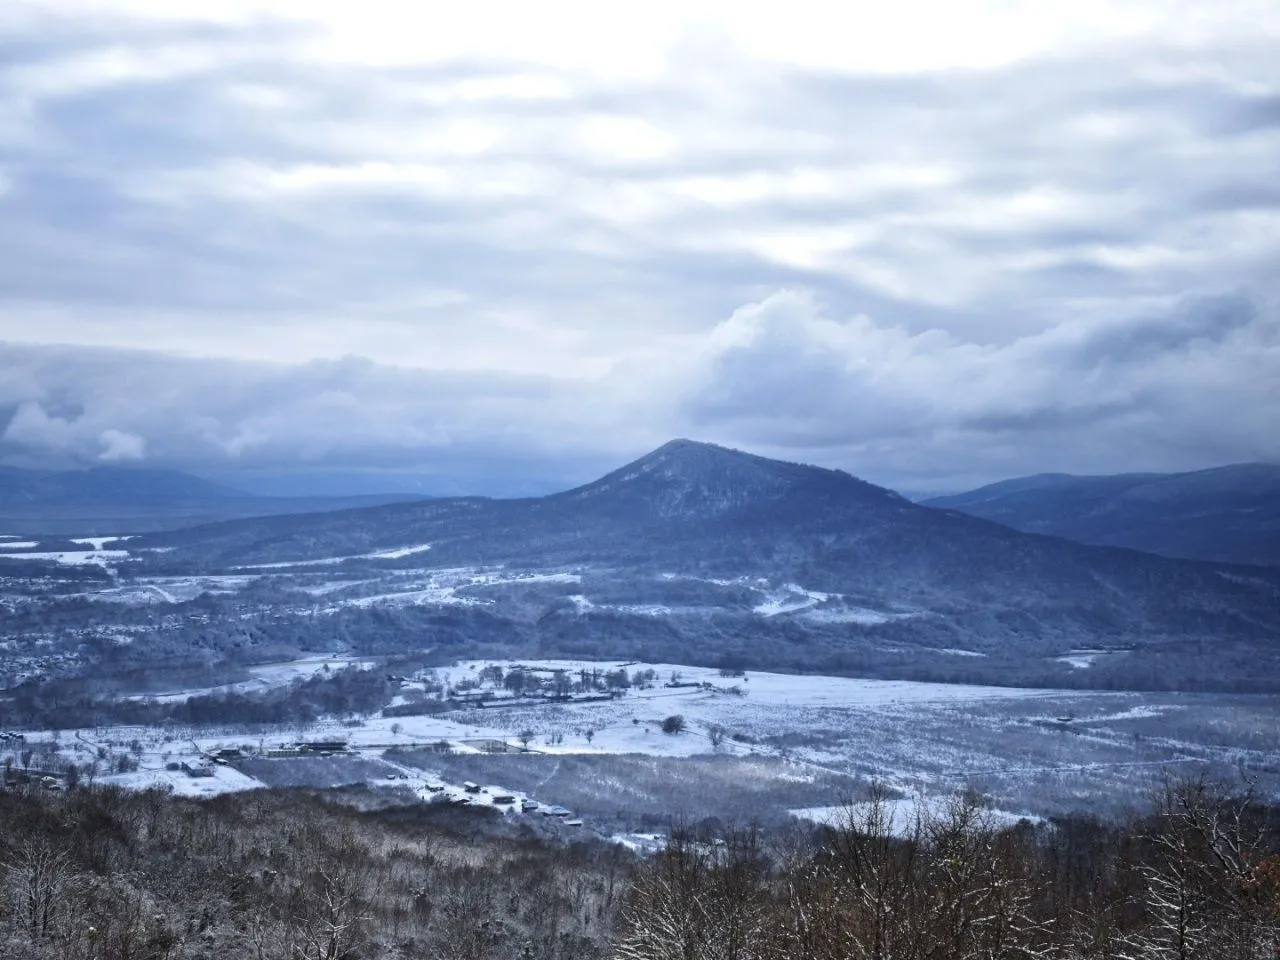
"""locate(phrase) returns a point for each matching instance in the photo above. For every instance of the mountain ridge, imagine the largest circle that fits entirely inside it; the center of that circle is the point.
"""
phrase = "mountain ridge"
(1226, 514)
(106, 499)
(694, 553)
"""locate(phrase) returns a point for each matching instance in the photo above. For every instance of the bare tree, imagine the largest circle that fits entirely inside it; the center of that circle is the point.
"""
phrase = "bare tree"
(1210, 887)
(699, 900)
(331, 923)
(38, 880)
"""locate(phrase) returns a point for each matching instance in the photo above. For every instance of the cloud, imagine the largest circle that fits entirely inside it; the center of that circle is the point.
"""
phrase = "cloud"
(119, 446)
(31, 426)
(784, 375)
(68, 406)
(1008, 226)
(229, 171)
(1167, 391)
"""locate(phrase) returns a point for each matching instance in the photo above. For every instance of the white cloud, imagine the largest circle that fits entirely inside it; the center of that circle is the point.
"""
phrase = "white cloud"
(906, 36)
(118, 446)
(32, 427)
(1153, 392)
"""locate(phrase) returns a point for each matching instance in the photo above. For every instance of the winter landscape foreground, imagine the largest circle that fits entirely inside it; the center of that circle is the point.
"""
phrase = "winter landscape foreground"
(686, 813)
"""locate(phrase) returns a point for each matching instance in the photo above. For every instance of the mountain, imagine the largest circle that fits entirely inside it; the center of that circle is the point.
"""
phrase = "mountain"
(1229, 514)
(108, 500)
(697, 551)
(106, 485)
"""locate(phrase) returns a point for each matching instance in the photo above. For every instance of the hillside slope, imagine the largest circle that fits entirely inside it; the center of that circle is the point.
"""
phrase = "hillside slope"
(695, 546)
(1229, 514)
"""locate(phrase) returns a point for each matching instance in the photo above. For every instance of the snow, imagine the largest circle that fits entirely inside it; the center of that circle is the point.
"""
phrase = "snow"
(903, 813)
(1078, 661)
(1081, 659)
(441, 587)
(1133, 713)
(169, 589)
(859, 615)
(813, 605)
(398, 552)
(922, 739)
(74, 558)
(791, 599)
(224, 780)
(99, 542)
(406, 598)
(393, 554)
(782, 689)
(635, 609)
(286, 564)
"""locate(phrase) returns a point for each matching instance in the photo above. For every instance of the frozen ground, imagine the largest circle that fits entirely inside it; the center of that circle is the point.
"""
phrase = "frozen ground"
(393, 554)
(904, 814)
(753, 746)
(72, 557)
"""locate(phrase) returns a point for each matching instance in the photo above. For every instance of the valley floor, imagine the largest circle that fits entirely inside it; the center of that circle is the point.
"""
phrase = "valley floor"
(759, 746)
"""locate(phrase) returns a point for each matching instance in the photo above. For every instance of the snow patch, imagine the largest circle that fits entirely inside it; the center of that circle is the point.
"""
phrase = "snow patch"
(1079, 659)
(903, 814)
(99, 542)
(397, 553)
(72, 558)
(394, 553)
(790, 599)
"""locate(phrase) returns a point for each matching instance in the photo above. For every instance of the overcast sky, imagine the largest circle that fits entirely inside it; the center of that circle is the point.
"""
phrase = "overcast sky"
(508, 246)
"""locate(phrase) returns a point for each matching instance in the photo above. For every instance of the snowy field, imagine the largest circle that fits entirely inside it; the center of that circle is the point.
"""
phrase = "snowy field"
(759, 745)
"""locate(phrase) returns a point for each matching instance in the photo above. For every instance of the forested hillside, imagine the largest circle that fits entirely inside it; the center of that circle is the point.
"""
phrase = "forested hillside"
(99, 874)
(1226, 514)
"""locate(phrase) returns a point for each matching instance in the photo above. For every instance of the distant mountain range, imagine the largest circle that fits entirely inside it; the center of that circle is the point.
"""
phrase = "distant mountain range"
(700, 551)
(1229, 514)
(109, 500)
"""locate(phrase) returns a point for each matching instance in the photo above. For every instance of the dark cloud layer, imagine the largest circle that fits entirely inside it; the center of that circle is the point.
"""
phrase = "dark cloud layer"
(783, 375)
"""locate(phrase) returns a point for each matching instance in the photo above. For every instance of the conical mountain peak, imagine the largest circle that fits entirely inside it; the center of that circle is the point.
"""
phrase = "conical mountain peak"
(692, 478)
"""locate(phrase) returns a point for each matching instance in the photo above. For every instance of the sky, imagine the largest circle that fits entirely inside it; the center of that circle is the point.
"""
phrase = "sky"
(503, 247)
